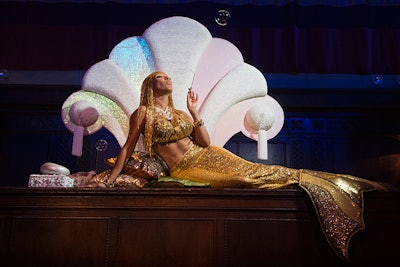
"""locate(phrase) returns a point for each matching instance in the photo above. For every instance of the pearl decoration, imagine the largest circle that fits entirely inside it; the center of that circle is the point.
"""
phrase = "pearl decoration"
(261, 118)
(83, 114)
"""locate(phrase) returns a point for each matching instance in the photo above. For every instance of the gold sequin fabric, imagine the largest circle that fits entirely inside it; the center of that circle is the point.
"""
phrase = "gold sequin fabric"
(141, 164)
(221, 168)
(123, 180)
(337, 198)
(166, 130)
(336, 225)
(338, 201)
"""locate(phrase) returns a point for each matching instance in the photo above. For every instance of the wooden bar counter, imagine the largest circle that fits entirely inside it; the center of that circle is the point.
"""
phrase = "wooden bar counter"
(184, 227)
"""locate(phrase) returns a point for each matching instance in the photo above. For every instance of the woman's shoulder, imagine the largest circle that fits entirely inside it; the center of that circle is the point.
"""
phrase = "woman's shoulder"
(139, 110)
(139, 113)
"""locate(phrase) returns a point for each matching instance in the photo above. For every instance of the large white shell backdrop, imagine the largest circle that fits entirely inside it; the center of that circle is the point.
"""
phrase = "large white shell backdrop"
(184, 49)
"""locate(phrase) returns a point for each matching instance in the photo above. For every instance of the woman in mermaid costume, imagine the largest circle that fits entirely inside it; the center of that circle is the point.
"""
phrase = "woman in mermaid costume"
(182, 141)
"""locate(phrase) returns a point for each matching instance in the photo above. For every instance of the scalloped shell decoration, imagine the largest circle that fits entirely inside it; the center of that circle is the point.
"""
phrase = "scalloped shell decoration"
(185, 50)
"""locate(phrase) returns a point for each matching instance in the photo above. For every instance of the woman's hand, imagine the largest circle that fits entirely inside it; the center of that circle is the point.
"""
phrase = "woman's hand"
(192, 99)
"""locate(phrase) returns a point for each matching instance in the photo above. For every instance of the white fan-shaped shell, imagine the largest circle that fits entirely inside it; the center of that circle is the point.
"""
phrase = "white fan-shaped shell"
(236, 86)
(134, 57)
(223, 56)
(177, 44)
(186, 51)
(108, 79)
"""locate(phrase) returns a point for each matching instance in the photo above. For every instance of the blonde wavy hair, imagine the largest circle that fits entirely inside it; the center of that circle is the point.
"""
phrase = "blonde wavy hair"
(147, 100)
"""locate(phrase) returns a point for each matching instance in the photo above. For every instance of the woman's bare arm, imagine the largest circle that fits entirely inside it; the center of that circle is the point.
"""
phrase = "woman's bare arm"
(136, 126)
(200, 132)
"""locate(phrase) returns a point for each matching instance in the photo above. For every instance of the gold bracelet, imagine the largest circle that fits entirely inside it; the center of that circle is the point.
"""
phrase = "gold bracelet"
(199, 123)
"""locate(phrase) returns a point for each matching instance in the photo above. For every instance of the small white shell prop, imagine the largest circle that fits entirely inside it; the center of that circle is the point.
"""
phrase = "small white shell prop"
(53, 168)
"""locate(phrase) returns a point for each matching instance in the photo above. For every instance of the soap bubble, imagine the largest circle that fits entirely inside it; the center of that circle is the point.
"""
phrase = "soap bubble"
(222, 17)
(101, 145)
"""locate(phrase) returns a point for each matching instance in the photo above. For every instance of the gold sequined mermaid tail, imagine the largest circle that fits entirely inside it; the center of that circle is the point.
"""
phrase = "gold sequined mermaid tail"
(223, 169)
(338, 200)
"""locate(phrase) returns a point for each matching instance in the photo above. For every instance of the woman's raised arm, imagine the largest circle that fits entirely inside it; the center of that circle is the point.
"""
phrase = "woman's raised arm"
(200, 133)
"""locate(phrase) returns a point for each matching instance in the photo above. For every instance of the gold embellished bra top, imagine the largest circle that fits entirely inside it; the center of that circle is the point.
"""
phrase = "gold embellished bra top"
(167, 131)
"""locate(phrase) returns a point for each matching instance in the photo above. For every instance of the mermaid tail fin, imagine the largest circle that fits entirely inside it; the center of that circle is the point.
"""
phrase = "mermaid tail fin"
(338, 200)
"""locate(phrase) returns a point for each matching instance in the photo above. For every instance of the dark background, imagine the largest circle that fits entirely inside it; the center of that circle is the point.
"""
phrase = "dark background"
(285, 38)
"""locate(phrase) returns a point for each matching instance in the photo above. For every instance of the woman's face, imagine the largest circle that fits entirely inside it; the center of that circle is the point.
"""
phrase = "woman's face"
(162, 84)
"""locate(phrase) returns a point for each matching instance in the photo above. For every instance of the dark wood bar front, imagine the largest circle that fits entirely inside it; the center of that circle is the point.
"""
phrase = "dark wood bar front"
(184, 227)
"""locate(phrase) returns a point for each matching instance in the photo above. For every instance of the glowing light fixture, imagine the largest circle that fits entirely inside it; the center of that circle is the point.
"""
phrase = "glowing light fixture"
(3, 74)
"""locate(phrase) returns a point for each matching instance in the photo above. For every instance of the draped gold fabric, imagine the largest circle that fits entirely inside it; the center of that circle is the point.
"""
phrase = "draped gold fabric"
(337, 198)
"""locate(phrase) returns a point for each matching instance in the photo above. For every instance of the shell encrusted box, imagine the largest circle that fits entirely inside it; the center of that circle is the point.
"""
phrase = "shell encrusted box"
(50, 180)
